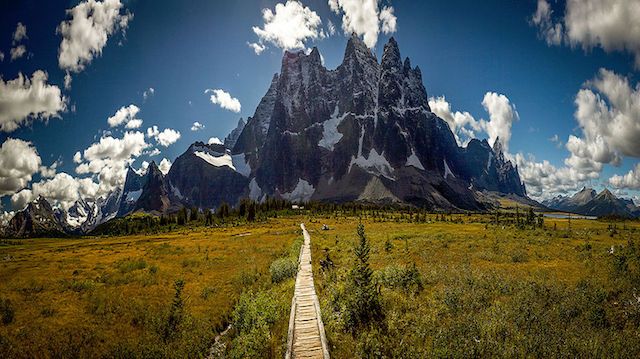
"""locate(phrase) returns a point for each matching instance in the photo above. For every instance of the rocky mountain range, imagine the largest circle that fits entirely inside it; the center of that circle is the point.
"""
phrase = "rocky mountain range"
(361, 132)
(590, 203)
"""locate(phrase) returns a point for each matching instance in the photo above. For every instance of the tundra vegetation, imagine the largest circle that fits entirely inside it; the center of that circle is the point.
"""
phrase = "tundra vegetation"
(392, 283)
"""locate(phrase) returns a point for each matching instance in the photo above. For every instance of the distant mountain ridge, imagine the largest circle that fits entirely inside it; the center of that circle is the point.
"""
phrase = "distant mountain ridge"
(590, 203)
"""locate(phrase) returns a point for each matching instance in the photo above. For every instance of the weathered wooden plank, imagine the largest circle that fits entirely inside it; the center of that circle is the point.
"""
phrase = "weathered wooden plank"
(306, 337)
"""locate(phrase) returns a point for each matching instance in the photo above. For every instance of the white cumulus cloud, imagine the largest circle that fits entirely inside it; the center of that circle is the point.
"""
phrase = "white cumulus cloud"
(87, 30)
(630, 180)
(164, 166)
(289, 27)
(197, 126)
(50, 171)
(17, 52)
(125, 115)
(108, 158)
(502, 114)
(224, 99)
(62, 190)
(608, 115)
(20, 33)
(464, 126)
(19, 161)
(165, 137)
(22, 99)
(365, 18)
(609, 24)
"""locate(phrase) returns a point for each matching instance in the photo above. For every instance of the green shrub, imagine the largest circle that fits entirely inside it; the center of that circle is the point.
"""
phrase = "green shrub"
(206, 292)
(176, 312)
(253, 319)
(283, 268)
(47, 312)
(406, 278)
(362, 305)
(129, 265)
(81, 285)
(7, 313)
(519, 256)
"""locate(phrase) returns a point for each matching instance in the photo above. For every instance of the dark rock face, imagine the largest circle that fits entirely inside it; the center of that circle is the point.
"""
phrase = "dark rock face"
(363, 131)
(254, 132)
(232, 138)
(155, 196)
(131, 191)
(202, 176)
(37, 220)
(487, 168)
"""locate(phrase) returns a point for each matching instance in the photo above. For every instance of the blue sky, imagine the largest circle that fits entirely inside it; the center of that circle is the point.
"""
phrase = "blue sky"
(182, 48)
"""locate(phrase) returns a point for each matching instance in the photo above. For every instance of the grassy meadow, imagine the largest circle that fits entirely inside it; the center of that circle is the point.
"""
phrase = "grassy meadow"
(443, 286)
(465, 287)
(116, 296)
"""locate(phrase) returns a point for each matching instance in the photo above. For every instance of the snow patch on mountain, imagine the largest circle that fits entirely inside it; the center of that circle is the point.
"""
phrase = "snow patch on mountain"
(133, 195)
(330, 134)
(447, 170)
(241, 165)
(414, 161)
(78, 218)
(301, 193)
(375, 164)
(217, 161)
(489, 162)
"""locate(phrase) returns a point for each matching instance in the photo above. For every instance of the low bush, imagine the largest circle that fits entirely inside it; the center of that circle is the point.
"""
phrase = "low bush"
(406, 278)
(7, 312)
(282, 269)
(253, 319)
(129, 265)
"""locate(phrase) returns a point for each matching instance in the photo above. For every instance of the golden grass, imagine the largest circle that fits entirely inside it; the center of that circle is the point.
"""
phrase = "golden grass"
(445, 252)
(98, 285)
(106, 286)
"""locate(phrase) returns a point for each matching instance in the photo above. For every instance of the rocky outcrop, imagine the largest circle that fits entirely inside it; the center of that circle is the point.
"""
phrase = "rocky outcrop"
(131, 191)
(207, 175)
(156, 196)
(38, 219)
(232, 137)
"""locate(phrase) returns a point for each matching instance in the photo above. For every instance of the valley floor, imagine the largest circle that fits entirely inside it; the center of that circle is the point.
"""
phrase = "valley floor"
(450, 286)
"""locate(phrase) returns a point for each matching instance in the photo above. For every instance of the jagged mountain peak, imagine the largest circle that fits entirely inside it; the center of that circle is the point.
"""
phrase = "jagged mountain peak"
(391, 55)
(606, 194)
(153, 169)
(231, 139)
(498, 148)
(357, 50)
(407, 65)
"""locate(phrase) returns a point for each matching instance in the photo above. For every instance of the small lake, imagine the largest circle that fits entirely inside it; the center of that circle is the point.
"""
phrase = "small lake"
(567, 215)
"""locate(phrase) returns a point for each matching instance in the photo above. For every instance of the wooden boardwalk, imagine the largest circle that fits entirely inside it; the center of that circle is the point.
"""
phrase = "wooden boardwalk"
(306, 337)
